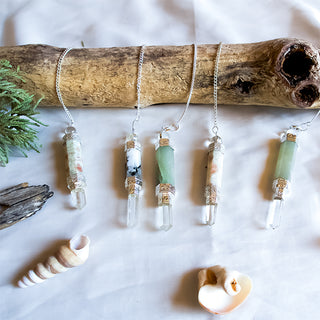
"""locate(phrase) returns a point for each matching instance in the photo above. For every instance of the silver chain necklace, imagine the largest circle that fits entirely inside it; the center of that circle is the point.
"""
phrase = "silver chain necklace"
(165, 189)
(139, 78)
(76, 180)
(133, 182)
(284, 170)
(58, 75)
(215, 156)
(215, 127)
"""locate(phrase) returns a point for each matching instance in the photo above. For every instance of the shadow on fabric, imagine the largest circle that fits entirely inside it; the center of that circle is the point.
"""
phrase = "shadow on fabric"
(187, 293)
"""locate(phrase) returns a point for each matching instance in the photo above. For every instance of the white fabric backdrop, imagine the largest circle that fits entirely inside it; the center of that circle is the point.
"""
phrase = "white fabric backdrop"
(143, 273)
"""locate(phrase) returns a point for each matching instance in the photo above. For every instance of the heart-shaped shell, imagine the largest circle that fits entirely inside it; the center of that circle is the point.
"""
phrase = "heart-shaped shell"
(221, 291)
(73, 254)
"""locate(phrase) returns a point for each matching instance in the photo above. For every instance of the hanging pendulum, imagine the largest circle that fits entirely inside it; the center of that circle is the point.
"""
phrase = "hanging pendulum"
(76, 180)
(214, 179)
(215, 158)
(133, 181)
(165, 189)
(283, 172)
(282, 176)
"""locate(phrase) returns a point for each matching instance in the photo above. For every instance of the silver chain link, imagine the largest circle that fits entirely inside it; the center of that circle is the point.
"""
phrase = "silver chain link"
(176, 126)
(58, 75)
(139, 77)
(304, 126)
(215, 127)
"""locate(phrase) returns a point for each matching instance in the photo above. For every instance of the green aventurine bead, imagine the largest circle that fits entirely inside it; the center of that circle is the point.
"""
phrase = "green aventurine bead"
(165, 159)
(286, 160)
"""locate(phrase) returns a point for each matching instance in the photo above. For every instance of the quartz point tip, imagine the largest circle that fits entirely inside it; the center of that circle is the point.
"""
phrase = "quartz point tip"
(167, 221)
(79, 198)
(132, 210)
(210, 214)
(274, 214)
(165, 194)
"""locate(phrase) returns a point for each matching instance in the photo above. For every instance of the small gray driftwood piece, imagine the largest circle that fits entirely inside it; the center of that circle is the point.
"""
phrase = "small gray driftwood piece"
(21, 202)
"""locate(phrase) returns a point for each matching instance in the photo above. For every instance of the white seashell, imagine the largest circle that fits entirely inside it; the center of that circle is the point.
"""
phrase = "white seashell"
(73, 254)
(221, 291)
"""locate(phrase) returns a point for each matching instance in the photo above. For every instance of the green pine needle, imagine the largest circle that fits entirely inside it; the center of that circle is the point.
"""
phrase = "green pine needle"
(17, 111)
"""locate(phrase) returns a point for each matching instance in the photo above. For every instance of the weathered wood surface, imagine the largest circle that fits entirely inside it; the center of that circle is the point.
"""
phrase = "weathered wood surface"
(281, 72)
(22, 201)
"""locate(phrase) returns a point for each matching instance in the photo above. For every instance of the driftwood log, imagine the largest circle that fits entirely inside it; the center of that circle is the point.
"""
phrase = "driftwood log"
(21, 202)
(281, 72)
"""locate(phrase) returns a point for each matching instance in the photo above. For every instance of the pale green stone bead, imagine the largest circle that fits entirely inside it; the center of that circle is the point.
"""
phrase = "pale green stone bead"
(286, 160)
(165, 159)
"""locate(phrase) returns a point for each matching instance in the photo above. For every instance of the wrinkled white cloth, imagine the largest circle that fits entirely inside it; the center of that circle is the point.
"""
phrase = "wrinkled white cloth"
(143, 273)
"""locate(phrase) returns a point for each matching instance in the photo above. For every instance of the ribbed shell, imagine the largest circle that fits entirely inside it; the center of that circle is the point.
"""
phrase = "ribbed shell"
(71, 255)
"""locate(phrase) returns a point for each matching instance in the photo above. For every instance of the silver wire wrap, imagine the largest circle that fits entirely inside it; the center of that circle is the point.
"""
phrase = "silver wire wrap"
(138, 114)
(215, 127)
(58, 74)
(176, 126)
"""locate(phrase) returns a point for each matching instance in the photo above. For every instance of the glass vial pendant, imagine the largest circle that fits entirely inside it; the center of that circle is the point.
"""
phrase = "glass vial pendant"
(75, 178)
(214, 179)
(165, 189)
(133, 178)
(282, 177)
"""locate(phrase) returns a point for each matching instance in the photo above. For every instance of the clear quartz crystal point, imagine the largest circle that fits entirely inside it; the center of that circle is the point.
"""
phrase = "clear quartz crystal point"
(282, 177)
(167, 219)
(210, 214)
(165, 190)
(78, 198)
(75, 177)
(214, 179)
(165, 193)
(132, 210)
(133, 181)
(274, 214)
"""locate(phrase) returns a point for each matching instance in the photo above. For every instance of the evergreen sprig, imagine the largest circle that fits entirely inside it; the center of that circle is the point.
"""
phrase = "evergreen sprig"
(17, 114)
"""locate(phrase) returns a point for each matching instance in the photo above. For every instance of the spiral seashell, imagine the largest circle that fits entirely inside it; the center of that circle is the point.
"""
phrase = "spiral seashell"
(221, 290)
(71, 255)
